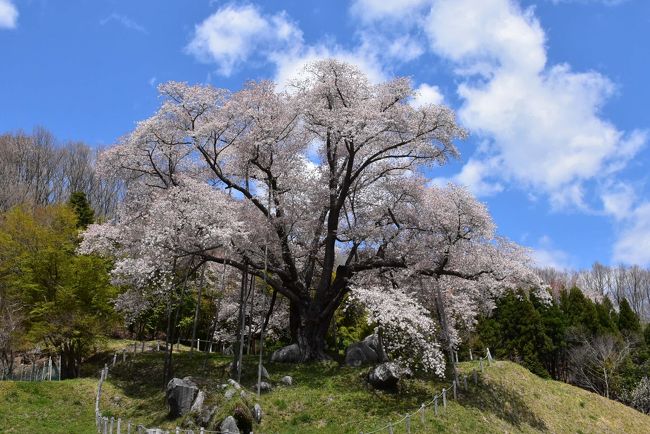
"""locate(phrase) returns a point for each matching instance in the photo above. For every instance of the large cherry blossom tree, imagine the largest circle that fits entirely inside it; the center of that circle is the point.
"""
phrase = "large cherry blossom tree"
(324, 180)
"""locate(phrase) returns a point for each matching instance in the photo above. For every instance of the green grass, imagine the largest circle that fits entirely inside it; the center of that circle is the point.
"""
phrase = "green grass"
(325, 398)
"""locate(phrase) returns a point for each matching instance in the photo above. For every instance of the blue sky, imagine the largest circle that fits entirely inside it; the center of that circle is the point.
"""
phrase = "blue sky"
(553, 92)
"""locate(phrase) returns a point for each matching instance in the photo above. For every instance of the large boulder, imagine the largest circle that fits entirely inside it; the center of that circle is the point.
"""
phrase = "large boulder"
(229, 426)
(387, 376)
(180, 396)
(366, 352)
(288, 354)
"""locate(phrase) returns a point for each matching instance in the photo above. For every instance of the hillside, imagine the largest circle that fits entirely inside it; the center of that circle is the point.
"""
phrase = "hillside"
(324, 399)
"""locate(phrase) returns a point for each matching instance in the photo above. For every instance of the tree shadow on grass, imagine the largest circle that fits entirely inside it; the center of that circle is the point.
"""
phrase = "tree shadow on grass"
(503, 403)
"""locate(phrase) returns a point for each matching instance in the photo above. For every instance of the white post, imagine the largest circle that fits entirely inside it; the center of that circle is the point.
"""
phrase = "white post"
(390, 428)
(422, 408)
(444, 398)
(124, 355)
(114, 359)
(489, 355)
(435, 405)
(456, 356)
(408, 424)
(178, 430)
(470, 355)
(60, 367)
(480, 363)
(475, 376)
(203, 430)
(454, 385)
(105, 425)
(49, 366)
(119, 425)
(465, 381)
(128, 428)
(110, 429)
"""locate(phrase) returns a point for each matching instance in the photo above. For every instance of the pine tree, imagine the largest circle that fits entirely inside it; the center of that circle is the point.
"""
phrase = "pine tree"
(628, 321)
(85, 214)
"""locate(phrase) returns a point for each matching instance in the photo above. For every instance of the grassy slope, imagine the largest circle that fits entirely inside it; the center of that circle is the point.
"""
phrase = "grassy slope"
(324, 399)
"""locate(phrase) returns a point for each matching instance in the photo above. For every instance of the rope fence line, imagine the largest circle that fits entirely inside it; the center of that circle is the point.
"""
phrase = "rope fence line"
(438, 403)
(421, 411)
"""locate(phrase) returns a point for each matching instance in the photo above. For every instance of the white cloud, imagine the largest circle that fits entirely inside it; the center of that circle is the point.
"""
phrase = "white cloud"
(633, 244)
(474, 175)
(124, 21)
(426, 94)
(618, 200)
(546, 255)
(8, 15)
(234, 34)
(544, 121)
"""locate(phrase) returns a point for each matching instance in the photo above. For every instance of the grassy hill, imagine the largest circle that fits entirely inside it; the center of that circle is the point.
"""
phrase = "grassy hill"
(324, 399)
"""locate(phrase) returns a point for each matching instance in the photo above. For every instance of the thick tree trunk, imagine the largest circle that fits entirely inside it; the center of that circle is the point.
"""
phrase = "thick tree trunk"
(311, 333)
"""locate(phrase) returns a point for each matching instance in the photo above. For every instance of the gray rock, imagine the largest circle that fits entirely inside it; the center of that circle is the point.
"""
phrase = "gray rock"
(288, 354)
(198, 402)
(368, 351)
(229, 394)
(264, 387)
(234, 384)
(229, 426)
(257, 413)
(265, 373)
(374, 342)
(180, 395)
(287, 380)
(387, 375)
(206, 415)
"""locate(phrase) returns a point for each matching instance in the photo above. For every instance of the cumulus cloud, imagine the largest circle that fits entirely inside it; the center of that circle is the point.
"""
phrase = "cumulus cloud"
(426, 94)
(633, 243)
(543, 120)
(8, 15)
(474, 175)
(235, 34)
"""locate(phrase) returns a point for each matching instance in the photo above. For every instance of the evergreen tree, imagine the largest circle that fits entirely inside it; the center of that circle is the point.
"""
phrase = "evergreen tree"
(628, 321)
(81, 207)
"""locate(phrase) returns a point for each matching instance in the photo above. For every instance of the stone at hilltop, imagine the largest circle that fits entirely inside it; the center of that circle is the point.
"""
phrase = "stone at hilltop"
(387, 376)
(288, 354)
(287, 380)
(366, 352)
(180, 396)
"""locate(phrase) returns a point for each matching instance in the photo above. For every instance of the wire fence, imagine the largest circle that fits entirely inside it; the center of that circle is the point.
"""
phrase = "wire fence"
(45, 370)
(437, 404)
